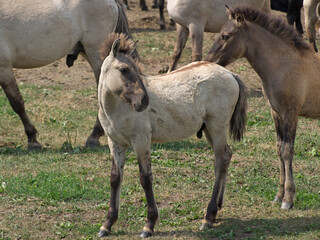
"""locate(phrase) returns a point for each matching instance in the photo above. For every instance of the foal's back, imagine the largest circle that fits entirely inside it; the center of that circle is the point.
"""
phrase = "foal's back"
(181, 101)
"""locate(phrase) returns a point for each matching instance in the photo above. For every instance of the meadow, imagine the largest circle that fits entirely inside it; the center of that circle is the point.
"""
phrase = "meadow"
(62, 192)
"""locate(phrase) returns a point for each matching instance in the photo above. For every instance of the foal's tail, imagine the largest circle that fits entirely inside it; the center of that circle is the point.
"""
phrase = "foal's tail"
(123, 25)
(239, 116)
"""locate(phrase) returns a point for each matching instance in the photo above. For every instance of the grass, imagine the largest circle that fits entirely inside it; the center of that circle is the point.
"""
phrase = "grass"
(63, 191)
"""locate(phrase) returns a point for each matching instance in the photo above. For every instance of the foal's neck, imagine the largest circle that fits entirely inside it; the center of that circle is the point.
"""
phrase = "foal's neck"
(266, 53)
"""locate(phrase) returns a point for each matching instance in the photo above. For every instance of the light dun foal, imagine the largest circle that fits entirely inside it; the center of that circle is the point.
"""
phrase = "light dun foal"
(136, 110)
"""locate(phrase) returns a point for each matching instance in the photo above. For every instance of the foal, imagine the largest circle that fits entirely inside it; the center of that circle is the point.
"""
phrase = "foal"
(289, 70)
(136, 110)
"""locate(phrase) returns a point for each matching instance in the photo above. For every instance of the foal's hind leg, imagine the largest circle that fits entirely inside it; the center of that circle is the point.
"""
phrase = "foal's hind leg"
(222, 152)
(10, 87)
(182, 37)
(118, 157)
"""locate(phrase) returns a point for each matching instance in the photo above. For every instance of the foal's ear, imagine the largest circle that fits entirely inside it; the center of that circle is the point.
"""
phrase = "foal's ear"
(133, 52)
(115, 47)
(239, 18)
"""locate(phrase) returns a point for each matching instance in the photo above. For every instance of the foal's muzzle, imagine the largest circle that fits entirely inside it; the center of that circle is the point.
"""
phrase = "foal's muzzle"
(140, 102)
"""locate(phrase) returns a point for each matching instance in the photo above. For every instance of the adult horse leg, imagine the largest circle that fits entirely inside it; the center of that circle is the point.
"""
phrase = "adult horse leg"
(311, 18)
(161, 21)
(155, 3)
(286, 131)
(294, 15)
(143, 5)
(10, 87)
(196, 33)
(223, 154)
(118, 158)
(95, 62)
(182, 37)
(142, 150)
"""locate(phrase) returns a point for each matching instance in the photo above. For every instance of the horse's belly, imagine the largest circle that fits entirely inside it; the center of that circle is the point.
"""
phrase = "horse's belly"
(169, 129)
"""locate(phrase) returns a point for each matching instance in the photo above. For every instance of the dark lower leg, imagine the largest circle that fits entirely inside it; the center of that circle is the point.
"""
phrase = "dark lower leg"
(112, 216)
(14, 96)
(182, 36)
(222, 161)
(161, 21)
(97, 132)
(152, 217)
(143, 5)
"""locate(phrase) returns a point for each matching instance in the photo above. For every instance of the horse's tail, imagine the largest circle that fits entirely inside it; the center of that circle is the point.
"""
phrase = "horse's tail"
(239, 116)
(123, 25)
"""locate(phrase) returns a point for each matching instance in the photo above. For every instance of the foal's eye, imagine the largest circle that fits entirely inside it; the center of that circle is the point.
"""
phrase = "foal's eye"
(225, 37)
(124, 70)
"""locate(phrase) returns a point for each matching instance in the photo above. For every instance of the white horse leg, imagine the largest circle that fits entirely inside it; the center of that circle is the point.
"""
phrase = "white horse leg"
(142, 150)
(118, 158)
(11, 89)
(196, 33)
(182, 37)
(218, 140)
(92, 56)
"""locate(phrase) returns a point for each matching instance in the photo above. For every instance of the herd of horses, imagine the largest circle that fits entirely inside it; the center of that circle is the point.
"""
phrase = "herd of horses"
(136, 110)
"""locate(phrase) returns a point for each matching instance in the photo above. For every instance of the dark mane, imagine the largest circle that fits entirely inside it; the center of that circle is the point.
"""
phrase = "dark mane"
(126, 45)
(275, 25)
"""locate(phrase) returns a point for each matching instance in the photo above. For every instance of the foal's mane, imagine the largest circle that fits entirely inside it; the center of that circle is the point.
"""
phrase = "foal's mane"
(126, 45)
(275, 25)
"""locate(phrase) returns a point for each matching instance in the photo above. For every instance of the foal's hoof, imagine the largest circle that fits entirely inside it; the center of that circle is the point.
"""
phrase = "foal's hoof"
(92, 142)
(276, 200)
(287, 206)
(205, 226)
(146, 234)
(34, 147)
(162, 26)
(103, 233)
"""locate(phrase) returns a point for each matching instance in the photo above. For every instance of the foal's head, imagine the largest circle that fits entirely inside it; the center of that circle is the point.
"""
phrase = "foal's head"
(120, 75)
(234, 38)
(231, 42)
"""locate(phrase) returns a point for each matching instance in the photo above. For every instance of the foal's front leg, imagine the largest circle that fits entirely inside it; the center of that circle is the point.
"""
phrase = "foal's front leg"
(146, 179)
(286, 131)
(118, 158)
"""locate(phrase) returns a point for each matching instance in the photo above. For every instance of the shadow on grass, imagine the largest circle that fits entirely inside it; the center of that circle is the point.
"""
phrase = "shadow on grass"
(19, 151)
(67, 148)
(253, 229)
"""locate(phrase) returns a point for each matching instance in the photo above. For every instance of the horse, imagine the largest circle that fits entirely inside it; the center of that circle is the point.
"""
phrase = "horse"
(155, 4)
(135, 110)
(293, 10)
(36, 33)
(311, 19)
(289, 70)
(199, 16)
